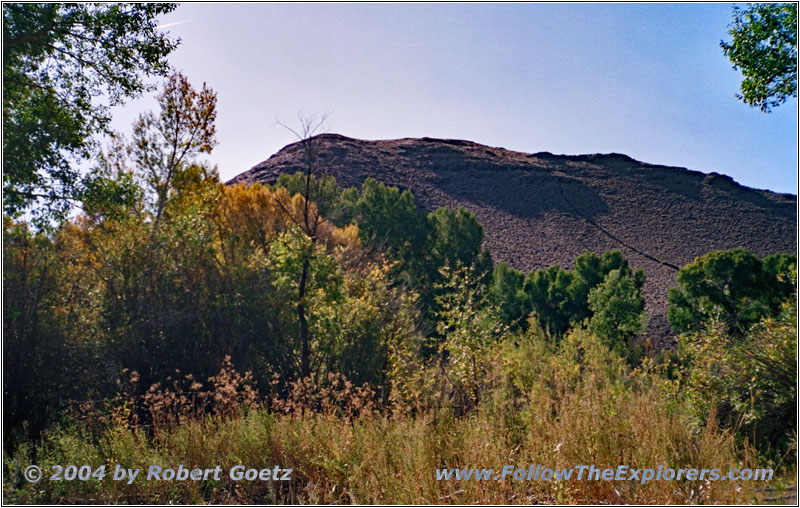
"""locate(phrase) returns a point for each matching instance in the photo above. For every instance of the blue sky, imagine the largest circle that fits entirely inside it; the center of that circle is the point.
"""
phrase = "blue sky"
(646, 80)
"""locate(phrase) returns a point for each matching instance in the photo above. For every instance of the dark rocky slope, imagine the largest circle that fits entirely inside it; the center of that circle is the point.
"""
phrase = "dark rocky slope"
(542, 209)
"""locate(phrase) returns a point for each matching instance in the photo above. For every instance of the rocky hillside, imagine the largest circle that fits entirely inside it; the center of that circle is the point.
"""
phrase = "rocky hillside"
(541, 209)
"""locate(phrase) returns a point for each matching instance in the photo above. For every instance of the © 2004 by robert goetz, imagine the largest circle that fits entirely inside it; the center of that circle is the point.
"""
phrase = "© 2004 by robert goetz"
(594, 473)
(157, 473)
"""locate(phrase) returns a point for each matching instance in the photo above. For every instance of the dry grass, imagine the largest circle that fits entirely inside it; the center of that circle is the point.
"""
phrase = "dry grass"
(580, 405)
(376, 459)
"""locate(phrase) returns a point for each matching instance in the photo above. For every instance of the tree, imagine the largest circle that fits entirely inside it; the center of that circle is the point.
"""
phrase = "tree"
(153, 251)
(590, 270)
(167, 143)
(308, 220)
(454, 241)
(49, 351)
(57, 60)
(456, 238)
(764, 47)
(560, 297)
(388, 219)
(618, 314)
(328, 195)
(548, 292)
(469, 325)
(506, 293)
(734, 287)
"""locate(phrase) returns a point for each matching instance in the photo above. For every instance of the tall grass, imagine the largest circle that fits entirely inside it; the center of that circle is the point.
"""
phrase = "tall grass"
(559, 407)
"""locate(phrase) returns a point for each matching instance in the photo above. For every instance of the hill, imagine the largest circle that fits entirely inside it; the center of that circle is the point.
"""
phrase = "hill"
(542, 209)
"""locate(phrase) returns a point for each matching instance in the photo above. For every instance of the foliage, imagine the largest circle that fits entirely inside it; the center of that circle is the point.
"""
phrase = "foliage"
(507, 295)
(327, 194)
(184, 273)
(734, 287)
(591, 269)
(764, 47)
(618, 314)
(304, 213)
(547, 291)
(560, 298)
(468, 328)
(456, 239)
(748, 383)
(188, 294)
(372, 320)
(50, 329)
(166, 144)
(212, 291)
(577, 400)
(57, 60)
(388, 220)
(376, 341)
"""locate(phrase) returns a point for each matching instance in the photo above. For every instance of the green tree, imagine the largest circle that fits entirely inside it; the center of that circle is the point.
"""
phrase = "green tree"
(590, 270)
(357, 333)
(57, 60)
(734, 287)
(560, 298)
(388, 219)
(779, 270)
(294, 260)
(389, 222)
(506, 293)
(764, 47)
(618, 314)
(456, 237)
(548, 292)
(308, 220)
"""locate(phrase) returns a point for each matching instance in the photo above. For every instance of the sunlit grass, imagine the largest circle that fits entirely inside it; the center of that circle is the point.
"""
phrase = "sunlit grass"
(562, 410)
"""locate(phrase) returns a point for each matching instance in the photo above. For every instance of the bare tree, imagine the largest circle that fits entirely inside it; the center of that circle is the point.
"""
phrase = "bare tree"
(307, 219)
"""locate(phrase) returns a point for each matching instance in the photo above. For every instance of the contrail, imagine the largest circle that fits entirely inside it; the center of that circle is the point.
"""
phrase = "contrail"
(174, 23)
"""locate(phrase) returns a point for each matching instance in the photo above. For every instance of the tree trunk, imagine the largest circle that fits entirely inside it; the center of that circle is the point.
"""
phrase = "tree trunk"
(305, 335)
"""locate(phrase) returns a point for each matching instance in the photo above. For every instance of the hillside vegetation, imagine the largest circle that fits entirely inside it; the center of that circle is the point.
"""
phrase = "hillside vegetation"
(542, 209)
(363, 342)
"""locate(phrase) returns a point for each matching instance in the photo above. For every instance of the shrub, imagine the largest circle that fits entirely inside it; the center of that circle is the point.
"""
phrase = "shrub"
(747, 383)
